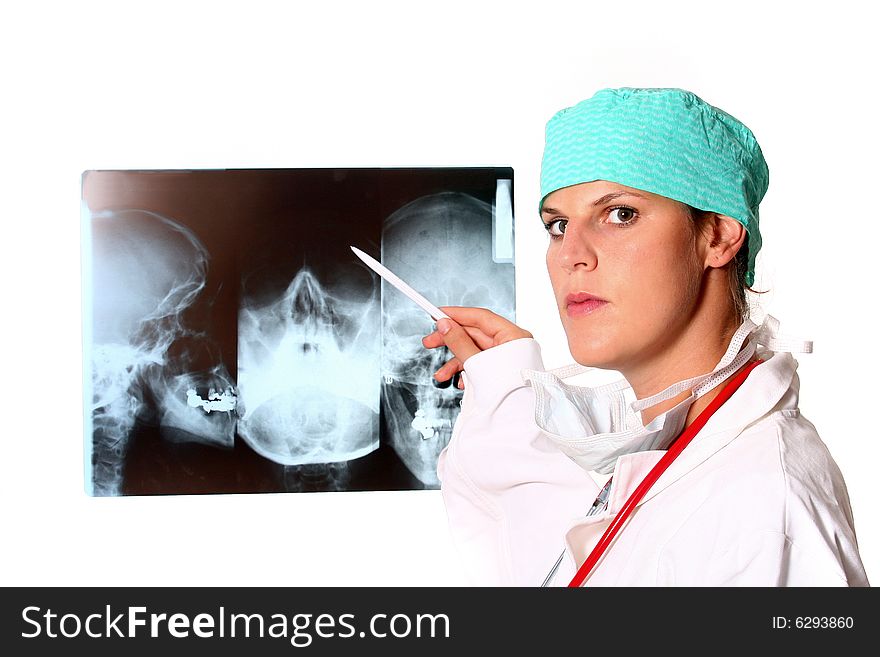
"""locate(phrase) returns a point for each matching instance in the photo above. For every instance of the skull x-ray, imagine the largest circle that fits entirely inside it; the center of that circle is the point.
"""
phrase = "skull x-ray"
(234, 343)
(149, 270)
(441, 244)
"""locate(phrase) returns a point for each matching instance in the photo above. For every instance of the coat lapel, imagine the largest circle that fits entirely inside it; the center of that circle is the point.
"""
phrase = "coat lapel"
(765, 387)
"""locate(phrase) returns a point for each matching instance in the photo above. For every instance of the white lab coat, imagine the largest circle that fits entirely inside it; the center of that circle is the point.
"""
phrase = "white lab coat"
(754, 500)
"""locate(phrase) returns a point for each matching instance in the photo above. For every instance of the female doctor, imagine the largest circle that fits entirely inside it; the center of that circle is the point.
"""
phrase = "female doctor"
(697, 468)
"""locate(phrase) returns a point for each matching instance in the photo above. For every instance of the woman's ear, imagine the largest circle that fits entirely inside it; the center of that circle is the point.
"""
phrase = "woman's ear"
(724, 236)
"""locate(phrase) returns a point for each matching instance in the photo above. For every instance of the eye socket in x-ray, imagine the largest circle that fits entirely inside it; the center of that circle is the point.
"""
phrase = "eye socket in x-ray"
(234, 343)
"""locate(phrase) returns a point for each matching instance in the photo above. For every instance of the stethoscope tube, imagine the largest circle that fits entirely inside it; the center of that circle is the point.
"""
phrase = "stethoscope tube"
(671, 454)
(599, 505)
(659, 468)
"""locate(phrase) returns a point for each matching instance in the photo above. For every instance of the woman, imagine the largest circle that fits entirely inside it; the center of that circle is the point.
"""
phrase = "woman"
(650, 198)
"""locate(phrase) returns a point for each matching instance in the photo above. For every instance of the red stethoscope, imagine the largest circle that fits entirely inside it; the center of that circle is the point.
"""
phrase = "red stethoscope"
(672, 453)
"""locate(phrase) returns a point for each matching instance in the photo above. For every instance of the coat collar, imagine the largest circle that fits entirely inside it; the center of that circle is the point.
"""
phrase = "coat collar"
(774, 383)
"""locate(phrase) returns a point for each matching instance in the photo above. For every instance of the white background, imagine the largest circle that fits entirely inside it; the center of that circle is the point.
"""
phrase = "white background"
(89, 85)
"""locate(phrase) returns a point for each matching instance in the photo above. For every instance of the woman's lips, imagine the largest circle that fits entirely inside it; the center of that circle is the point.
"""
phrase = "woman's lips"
(579, 305)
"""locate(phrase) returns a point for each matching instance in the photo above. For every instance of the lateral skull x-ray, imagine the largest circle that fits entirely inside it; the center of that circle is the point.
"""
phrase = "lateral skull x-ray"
(149, 270)
(230, 347)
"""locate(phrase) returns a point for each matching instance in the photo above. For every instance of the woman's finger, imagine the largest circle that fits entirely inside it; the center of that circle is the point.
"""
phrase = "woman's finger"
(457, 339)
(482, 318)
(483, 341)
(448, 369)
(498, 328)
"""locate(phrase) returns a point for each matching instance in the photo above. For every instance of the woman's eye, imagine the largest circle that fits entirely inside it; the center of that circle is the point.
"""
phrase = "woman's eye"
(624, 215)
(550, 224)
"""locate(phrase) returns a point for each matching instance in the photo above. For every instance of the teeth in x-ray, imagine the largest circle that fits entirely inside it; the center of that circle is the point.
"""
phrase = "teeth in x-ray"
(426, 425)
(215, 401)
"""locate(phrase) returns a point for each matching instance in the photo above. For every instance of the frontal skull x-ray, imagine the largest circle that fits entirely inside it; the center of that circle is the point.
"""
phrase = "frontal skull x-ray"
(234, 343)
(442, 246)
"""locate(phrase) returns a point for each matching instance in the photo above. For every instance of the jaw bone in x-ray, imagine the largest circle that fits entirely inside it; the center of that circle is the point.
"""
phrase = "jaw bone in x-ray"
(149, 270)
(307, 378)
(442, 245)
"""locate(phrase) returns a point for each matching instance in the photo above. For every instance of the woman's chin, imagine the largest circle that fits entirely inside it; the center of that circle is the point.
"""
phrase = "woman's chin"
(599, 355)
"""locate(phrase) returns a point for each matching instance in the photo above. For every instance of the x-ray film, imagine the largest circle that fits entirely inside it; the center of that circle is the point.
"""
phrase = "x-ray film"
(234, 343)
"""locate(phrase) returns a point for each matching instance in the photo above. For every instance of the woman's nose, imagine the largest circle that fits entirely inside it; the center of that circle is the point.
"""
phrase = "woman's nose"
(576, 249)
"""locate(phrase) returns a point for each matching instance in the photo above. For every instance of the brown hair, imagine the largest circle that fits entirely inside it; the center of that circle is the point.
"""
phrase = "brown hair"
(736, 269)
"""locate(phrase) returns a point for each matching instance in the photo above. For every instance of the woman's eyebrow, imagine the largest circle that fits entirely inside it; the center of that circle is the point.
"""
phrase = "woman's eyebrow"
(599, 201)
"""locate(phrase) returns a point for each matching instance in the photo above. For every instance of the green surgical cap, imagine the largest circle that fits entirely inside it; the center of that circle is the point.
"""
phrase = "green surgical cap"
(665, 141)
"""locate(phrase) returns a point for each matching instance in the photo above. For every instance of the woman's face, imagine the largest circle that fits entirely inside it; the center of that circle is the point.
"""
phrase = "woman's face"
(633, 250)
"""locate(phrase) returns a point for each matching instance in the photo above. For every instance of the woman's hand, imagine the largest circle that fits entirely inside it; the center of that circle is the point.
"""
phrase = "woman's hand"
(472, 331)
